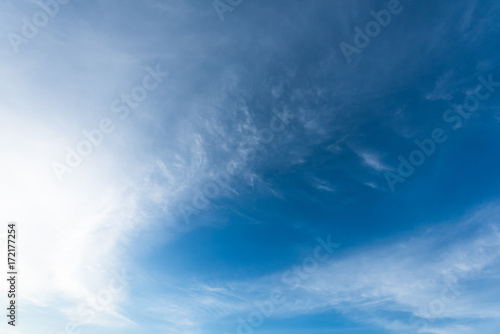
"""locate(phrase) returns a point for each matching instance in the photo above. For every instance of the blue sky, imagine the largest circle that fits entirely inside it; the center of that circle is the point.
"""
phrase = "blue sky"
(200, 167)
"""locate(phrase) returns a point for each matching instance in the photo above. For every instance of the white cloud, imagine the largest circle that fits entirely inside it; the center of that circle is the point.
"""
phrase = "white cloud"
(373, 161)
(408, 274)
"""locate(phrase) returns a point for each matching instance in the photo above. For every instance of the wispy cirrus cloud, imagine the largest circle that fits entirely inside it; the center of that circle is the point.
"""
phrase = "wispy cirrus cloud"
(390, 284)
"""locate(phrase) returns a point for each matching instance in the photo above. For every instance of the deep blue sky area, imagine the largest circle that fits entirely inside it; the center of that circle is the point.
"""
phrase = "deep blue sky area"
(249, 166)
